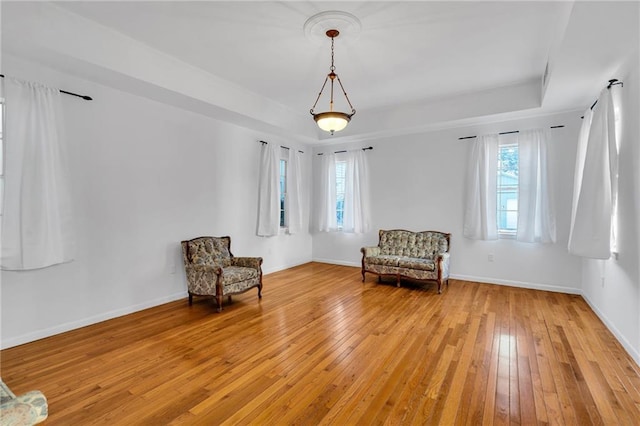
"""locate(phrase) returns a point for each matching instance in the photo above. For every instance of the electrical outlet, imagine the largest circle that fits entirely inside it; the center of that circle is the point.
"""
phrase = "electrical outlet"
(490, 257)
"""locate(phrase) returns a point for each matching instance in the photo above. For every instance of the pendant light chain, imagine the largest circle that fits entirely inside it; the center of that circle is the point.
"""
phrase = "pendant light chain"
(333, 68)
(333, 76)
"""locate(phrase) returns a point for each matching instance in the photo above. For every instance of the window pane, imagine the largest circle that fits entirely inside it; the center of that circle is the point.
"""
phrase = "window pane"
(283, 190)
(341, 167)
(507, 188)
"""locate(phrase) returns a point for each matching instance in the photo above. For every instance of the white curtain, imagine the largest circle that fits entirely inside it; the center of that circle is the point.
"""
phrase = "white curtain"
(356, 197)
(580, 157)
(293, 206)
(480, 216)
(536, 217)
(36, 221)
(595, 183)
(356, 218)
(269, 191)
(327, 220)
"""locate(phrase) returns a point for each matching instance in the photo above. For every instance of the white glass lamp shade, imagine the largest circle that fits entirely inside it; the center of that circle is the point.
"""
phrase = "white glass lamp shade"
(332, 121)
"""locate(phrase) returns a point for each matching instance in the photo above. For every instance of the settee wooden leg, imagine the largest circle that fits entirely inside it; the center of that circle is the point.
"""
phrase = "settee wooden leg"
(260, 291)
(190, 299)
(379, 278)
(398, 281)
(219, 300)
(439, 287)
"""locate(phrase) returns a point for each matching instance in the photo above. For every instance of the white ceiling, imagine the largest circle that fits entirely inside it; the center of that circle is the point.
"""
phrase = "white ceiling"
(408, 57)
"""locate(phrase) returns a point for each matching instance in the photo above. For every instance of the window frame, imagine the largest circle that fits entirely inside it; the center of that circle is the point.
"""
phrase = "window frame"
(507, 142)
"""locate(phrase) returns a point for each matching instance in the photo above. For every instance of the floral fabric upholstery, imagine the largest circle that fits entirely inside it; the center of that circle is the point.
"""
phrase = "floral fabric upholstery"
(27, 409)
(416, 263)
(406, 254)
(236, 279)
(371, 251)
(209, 251)
(424, 245)
(383, 260)
(212, 270)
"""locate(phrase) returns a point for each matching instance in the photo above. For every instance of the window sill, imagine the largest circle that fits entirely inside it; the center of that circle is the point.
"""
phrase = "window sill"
(507, 235)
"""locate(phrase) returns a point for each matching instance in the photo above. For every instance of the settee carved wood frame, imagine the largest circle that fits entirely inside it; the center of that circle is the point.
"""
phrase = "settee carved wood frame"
(438, 262)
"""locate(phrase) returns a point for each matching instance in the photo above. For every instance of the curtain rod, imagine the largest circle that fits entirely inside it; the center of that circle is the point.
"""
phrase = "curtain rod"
(508, 133)
(86, 98)
(285, 147)
(612, 82)
(344, 150)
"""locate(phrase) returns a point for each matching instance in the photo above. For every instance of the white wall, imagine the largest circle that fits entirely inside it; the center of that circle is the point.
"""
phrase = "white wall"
(612, 287)
(145, 176)
(418, 184)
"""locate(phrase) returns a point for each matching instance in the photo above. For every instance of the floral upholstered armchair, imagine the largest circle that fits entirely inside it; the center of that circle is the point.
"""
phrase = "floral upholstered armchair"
(27, 409)
(213, 271)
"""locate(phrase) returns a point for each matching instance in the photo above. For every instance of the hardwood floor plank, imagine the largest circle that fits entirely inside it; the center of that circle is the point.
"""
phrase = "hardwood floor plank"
(322, 347)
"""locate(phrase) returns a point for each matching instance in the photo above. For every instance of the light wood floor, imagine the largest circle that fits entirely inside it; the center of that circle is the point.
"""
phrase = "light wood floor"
(324, 348)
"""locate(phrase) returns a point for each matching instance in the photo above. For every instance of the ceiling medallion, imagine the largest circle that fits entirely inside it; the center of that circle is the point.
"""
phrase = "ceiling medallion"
(316, 27)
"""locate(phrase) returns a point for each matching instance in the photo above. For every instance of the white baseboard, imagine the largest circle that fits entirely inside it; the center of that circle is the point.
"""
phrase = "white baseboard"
(47, 332)
(521, 284)
(271, 270)
(338, 262)
(612, 328)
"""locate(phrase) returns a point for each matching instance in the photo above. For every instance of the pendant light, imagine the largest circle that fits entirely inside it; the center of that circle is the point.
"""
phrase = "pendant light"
(332, 121)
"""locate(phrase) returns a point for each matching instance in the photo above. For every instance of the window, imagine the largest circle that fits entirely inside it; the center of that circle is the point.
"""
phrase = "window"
(283, 191)
(344, 193)
(341, 167)
(507, 189)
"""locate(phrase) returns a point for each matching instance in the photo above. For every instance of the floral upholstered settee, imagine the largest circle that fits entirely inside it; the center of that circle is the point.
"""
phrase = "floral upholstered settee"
(421, 256)
(27, 409)
(212, 270)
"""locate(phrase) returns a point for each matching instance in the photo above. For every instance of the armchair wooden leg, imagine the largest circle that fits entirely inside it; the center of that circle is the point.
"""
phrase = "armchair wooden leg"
(219, 300)
(398, 281)
(439, 286)
(260, 291)
(190, 299)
